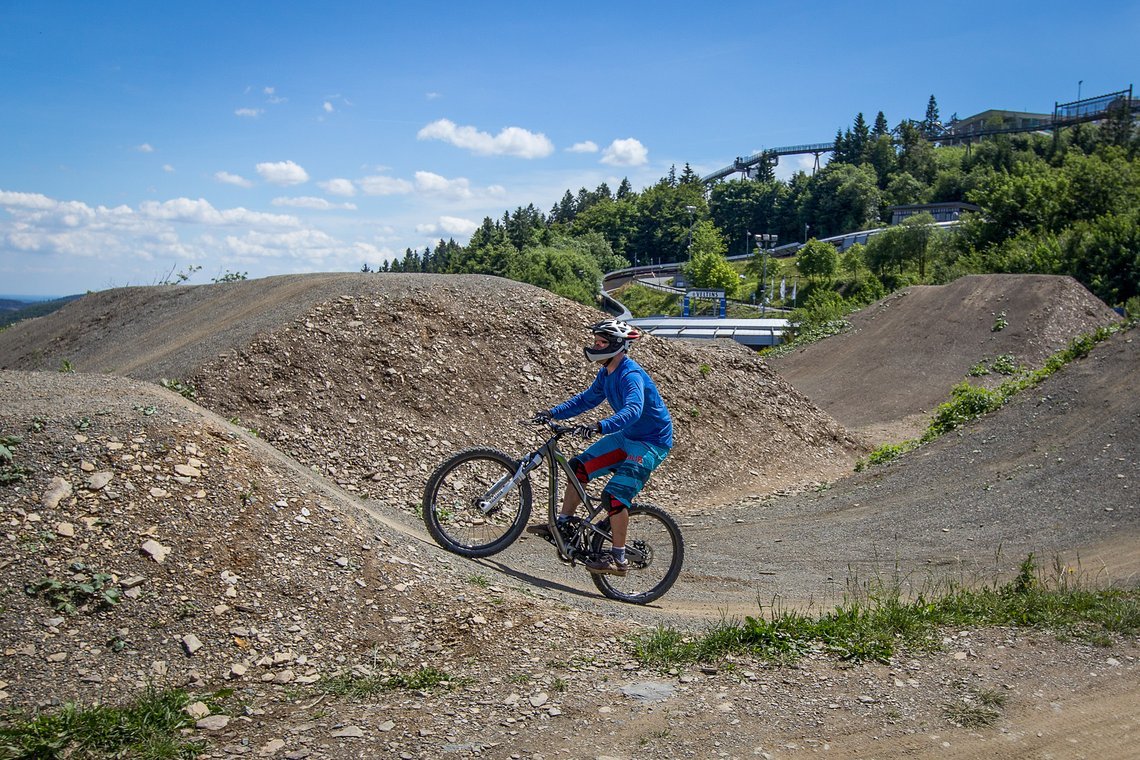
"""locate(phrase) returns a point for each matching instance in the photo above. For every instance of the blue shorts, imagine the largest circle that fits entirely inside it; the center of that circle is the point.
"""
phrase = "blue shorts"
(630, 461)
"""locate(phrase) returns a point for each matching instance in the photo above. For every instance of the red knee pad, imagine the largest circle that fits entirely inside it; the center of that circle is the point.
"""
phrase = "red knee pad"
(614, 506)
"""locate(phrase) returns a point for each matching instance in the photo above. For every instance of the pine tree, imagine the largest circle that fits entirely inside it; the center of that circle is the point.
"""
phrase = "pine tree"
(411, 260)
(765, 170)
(860, 139)
(582, 202)
(931, 126)
(566, 209)
(880, 127)
(625, 189)
(839, 150)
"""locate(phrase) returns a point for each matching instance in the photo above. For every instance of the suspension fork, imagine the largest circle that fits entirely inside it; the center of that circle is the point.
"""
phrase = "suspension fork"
(504, 485)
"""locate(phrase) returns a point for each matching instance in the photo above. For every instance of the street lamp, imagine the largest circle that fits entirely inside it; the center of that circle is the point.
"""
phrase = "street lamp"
(690, 209)
(806, 228)
(761, 239)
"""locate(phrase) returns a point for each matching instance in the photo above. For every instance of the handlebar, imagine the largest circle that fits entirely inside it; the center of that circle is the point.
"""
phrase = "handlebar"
(555, 427)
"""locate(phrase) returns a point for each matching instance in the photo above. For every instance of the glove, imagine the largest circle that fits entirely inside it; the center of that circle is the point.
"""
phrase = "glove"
(541, 417)
(586, 431)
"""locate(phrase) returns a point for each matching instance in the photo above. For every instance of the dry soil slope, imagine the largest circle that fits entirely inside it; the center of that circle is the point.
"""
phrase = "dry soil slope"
(374, 379)
(268, 568)
(1056, 473)
(885, 376)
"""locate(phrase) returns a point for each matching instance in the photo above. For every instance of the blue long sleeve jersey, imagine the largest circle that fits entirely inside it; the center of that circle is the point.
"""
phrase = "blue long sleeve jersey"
(639, 411)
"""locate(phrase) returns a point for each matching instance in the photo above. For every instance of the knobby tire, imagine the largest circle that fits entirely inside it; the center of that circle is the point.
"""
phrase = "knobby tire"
(655, 550)
(450, 512)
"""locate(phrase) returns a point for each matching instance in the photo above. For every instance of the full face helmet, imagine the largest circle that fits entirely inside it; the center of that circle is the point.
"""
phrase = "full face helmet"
(617, 336)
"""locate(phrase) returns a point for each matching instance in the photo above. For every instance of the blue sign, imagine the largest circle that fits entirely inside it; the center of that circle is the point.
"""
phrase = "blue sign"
(710, 295)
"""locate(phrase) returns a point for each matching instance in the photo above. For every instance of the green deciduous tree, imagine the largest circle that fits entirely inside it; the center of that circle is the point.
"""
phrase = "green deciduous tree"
(741, 207)
(1105, 255)
(708, 267)
(564, 270)
(818, 260)
(842, 198)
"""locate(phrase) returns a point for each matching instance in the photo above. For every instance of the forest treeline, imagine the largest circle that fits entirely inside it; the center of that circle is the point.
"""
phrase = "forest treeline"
(1063, 203)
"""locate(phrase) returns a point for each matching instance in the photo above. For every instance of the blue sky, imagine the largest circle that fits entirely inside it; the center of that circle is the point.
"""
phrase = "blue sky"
(143, 138)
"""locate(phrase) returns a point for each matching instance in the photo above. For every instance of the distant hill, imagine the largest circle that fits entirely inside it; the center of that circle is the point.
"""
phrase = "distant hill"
(12, 310)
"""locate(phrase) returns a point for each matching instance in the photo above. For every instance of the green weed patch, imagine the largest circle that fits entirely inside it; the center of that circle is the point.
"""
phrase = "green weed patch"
(148, 727)
(874, 626)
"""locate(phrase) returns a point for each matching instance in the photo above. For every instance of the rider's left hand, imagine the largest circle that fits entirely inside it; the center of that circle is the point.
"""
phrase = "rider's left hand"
(587, 431)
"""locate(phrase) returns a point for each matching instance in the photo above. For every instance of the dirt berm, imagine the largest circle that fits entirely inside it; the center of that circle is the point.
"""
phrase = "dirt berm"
(884, 377)
(374, 379)
(273, 563)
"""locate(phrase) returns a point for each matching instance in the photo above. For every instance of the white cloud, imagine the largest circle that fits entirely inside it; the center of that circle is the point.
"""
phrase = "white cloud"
(232, 179)
(201, 212)
(341, 187)
(511, 141)
(432, 95)
(10, 199)
(319, 204)
(328, 107)
(628, 152)
(586, 146)
(434, 184)
(454, 189)
(168, 168)
(146, 148)
(141, 244)
(273, 97)
(249, 113)
(455, 225)
(382, 185)
(282, 173)
(308, 244)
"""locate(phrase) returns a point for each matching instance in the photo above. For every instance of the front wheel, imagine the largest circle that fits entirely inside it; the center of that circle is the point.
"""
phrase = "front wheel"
(458, 509)
(655, 551)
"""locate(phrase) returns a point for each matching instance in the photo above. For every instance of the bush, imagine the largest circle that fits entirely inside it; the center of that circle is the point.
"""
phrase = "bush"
(821, 307)
(966, 402)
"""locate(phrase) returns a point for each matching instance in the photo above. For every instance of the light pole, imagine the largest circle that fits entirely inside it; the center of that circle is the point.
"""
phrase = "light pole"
(761, 239)
(806, 228)
(691, 210)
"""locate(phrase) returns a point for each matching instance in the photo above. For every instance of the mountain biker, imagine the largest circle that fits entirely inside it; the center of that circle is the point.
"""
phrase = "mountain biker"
(636, 438)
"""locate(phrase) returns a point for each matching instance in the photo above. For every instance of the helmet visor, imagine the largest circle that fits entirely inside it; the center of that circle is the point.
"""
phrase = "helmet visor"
(603, 348)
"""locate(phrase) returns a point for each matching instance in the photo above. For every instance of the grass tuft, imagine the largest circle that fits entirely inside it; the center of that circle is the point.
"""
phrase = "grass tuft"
(147, 728)
(877, 620)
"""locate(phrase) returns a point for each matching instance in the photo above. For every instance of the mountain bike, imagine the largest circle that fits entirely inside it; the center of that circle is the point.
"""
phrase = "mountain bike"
(478, 502)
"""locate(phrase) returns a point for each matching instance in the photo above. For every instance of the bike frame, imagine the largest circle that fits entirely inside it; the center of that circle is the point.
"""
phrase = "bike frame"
(558, 464)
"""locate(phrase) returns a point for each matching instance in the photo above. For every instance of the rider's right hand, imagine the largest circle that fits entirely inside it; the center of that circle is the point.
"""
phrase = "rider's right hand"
(542, 416)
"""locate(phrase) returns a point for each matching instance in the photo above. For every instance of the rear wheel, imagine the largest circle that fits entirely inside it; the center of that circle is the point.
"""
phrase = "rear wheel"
(454, 499)
(655, 551)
